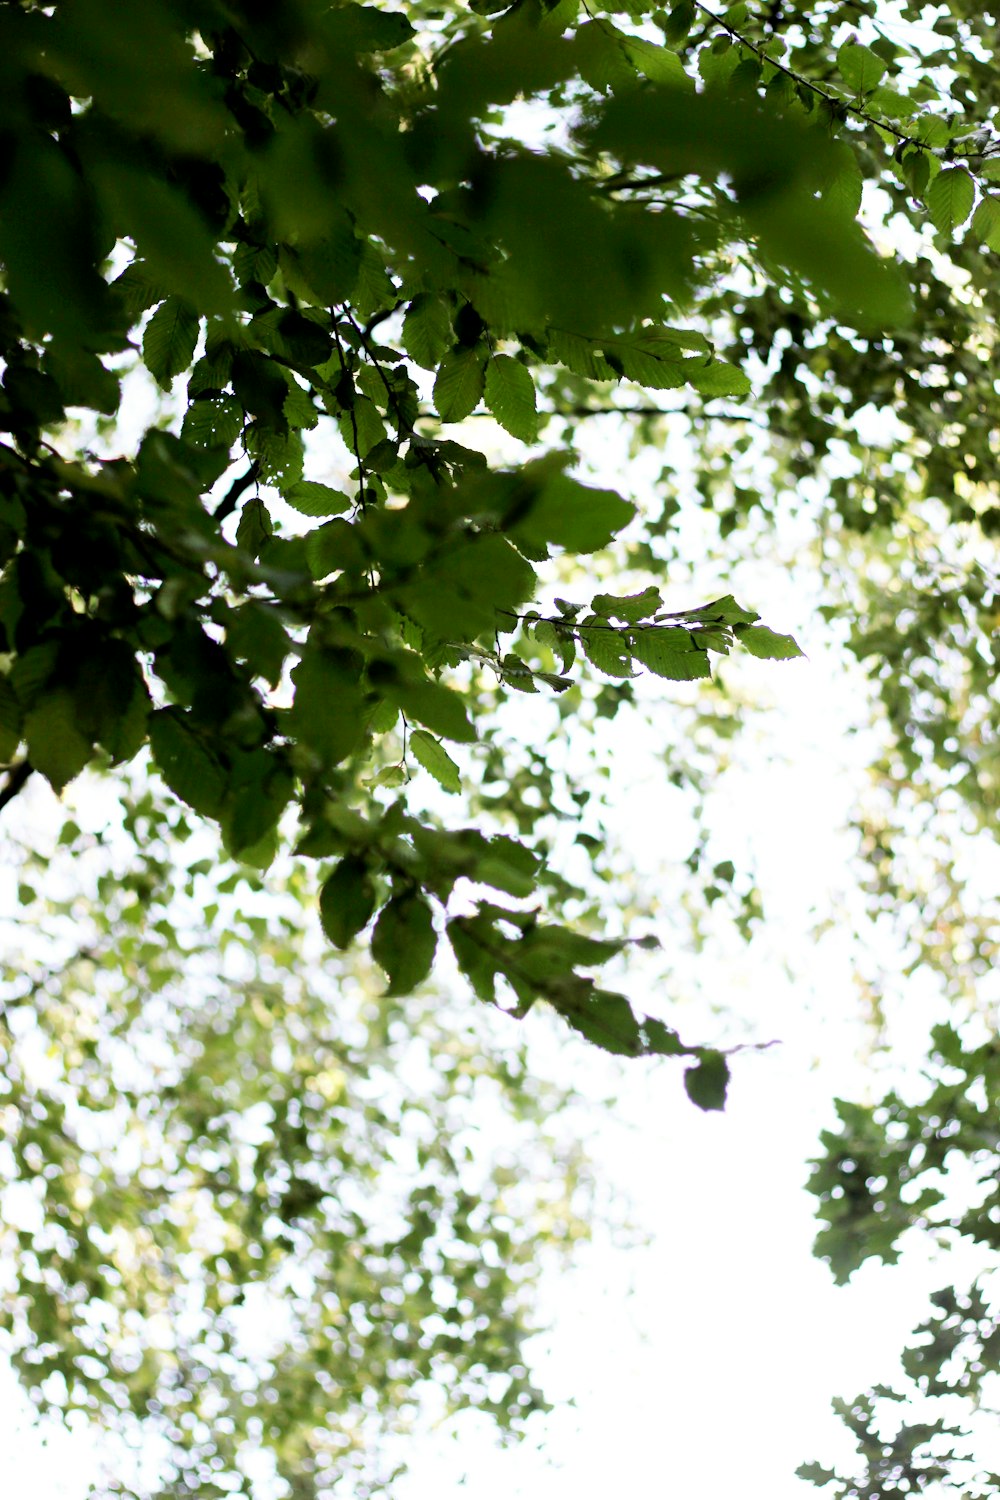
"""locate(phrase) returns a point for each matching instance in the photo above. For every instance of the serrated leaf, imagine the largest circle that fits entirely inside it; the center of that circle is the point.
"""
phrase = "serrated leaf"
(434, 758)
(572, 515)
(56, 746)
(678, 22)
(346, 902)
(510, 396)
(334, 548)
(460, 382)
(706, 1083)
(279, 456)
(860, 68)
(362, 428)
(427, 331)
(767, 644)
(669, 653)
(581, 355)
(138, 289)
(986, 221)
(255, 529)
(604, 1018)
(719, 379)
(440, 708)
(724, 611)
(950, 198)
(606, 647)
(186, 763)
(327, 712)
(215, 422)
(404, 942)
(169, 341)
(658, 64)
(631, 608)
(310, 498)
(650, 359)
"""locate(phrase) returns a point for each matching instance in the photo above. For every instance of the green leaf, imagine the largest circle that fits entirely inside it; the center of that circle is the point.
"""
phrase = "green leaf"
(279, 456)
(658, 64)
(213, 422)
(427, 331)
(860, 68)
(606, 647)
(706, 1083)
(720, 379)
(186, 763)
(724, 611)
(629, 607)
(605, 1019)
(255, 529)
(572, 515)
(510, 396)
(767, 644)
(404, 942)
(986, 221)
(441, 709)
(346, 902)
(669, 653)
(434, 758)
(313, 499)
(56, 746)
(327, 712)
(168, 343)
(368, 28)
(950, 199)
(335, 547)
(361, 428)
(138, 289)
(678, 22)
(460, 383)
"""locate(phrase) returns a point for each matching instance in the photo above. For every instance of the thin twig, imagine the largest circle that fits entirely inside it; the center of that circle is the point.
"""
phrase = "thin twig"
(17, 775)
(833, 99)
(229, 501)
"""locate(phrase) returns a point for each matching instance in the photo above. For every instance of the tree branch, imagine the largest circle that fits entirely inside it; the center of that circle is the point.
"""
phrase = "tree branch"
(243, 481)
(17, 775)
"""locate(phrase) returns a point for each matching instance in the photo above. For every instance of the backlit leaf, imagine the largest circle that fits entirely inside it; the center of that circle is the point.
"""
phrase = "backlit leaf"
(168, 343)
(314, 499)
(670, 653)
(460, 383)
(55, 744)
(404, 942)
(767, 643)
(860, 68)
(434, 758)
(950, 198)
(510, 396)
(346, 902)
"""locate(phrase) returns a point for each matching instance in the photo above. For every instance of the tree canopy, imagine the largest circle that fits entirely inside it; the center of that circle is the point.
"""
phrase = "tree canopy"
(308, 310)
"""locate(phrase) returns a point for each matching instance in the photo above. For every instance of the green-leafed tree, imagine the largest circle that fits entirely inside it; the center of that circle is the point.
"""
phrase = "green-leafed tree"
(267, 269)
(256, 1212)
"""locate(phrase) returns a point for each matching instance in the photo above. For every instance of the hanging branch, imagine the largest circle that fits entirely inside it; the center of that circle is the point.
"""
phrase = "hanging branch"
(17, 775)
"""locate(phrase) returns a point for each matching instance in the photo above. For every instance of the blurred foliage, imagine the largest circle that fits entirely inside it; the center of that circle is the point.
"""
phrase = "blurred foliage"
(251, 1205)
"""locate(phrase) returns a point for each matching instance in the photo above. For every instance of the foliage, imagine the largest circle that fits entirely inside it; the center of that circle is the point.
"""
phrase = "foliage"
(245, 1202)
(323, 236)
